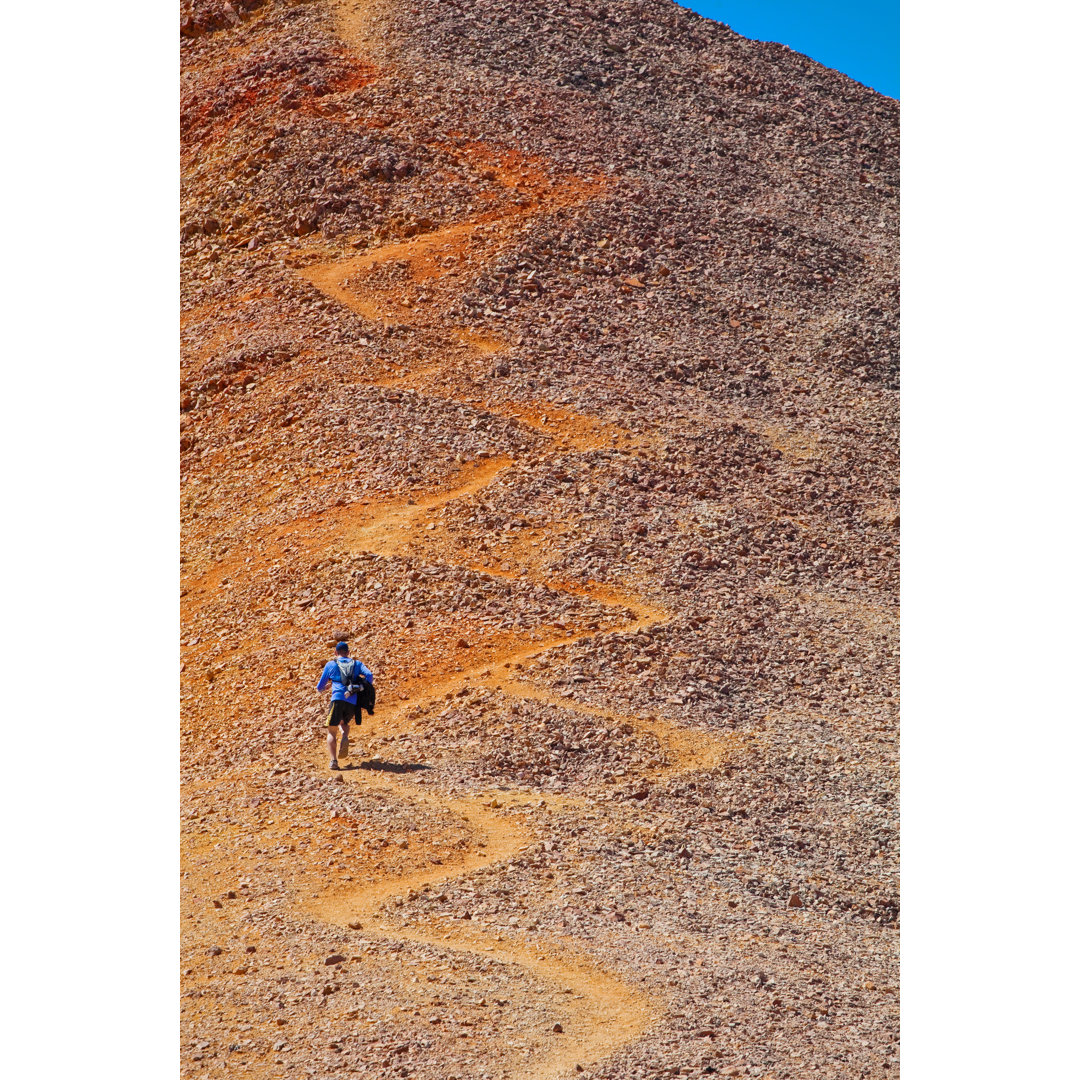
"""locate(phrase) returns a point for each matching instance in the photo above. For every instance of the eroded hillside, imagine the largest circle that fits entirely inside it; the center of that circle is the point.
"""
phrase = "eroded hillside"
(550, 353)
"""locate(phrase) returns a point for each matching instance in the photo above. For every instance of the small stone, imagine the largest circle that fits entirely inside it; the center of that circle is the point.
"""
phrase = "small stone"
(557, 1029)
(334, 958)
(795, 900)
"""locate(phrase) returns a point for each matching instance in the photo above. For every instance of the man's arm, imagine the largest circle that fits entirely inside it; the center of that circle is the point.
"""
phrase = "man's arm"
(324, 681)
(366, 672)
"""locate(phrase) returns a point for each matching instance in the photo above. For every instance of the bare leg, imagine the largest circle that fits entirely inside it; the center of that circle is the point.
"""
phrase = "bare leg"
(331, 742)
(343, 750)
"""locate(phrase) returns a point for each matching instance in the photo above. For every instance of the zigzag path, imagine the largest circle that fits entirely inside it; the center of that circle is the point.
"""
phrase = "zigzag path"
(603, 1012)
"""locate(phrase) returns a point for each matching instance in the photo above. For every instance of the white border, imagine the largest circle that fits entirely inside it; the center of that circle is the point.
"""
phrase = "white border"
(989, 392)
(91, 200)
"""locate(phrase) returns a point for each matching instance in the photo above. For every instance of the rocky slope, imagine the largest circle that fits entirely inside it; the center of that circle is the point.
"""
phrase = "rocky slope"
(550, 353)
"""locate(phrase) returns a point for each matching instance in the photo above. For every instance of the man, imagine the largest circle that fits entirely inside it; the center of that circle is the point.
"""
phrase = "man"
(340, 673)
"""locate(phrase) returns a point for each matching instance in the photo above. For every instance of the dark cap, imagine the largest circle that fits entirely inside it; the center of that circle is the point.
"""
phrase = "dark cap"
(342, 646)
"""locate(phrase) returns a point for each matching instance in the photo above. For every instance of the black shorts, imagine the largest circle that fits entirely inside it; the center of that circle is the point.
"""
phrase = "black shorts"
(341, 712)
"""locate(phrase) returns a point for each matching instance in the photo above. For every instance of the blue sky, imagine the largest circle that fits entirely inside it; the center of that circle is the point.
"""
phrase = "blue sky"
(860, 39)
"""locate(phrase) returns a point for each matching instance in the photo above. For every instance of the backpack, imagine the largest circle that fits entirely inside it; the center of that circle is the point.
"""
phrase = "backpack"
(350, 677)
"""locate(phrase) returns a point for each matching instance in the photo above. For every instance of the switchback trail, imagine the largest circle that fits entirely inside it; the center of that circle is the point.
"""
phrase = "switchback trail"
(603, 1012)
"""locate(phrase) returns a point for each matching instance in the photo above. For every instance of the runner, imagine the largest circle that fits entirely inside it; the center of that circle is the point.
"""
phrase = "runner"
(341, 673)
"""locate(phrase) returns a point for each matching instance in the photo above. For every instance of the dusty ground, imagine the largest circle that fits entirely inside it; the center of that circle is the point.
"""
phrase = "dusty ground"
(550, 353)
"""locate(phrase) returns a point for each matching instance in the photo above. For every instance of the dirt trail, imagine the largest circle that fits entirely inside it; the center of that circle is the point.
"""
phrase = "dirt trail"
(602, 1012)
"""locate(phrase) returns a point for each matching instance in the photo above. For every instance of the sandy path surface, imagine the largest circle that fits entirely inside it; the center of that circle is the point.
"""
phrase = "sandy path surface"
(604, 1012)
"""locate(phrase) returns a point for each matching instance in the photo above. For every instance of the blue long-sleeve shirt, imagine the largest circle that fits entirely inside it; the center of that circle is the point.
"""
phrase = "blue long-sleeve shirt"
(331, 674)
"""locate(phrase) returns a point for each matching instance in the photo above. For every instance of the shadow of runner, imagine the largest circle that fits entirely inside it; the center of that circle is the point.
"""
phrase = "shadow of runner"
(390, 766)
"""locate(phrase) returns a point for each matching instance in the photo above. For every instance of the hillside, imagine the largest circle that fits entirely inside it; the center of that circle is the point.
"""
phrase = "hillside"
(549, 352)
